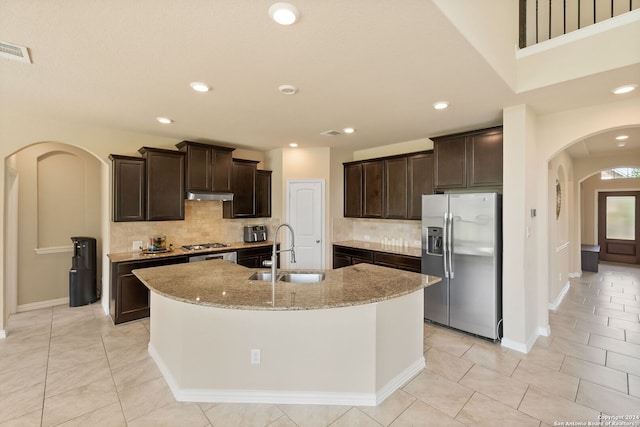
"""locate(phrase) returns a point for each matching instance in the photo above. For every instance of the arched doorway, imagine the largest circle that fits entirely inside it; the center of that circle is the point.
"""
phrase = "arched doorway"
(55, 191)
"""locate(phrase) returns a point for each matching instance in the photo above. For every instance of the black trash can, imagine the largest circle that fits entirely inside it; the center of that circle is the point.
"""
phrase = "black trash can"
(83, 279)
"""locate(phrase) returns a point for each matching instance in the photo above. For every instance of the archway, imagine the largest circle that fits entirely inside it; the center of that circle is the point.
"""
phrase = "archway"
(55, 191)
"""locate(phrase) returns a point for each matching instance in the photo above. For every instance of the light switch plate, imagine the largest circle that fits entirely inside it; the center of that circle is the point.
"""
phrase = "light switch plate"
(137, 244)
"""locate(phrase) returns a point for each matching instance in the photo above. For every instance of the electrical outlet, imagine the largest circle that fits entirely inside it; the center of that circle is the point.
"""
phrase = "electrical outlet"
(367, 237)
(137, 244)
(255, 356)
(417, 243)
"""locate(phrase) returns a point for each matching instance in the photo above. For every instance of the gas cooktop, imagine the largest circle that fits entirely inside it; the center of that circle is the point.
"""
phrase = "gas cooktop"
(201, 246)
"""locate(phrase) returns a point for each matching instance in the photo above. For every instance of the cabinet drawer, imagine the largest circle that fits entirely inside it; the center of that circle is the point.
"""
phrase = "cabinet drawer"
(362, 254)
(402, 262)
(128, 267)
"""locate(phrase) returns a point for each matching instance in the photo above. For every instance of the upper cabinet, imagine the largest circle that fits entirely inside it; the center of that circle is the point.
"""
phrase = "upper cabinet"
(467, 160)
(263, 193)
(353, 190)
(128, 178)
(165, 185)
(208, 167)
(419, 182)
(389, 187)
(373, 189)
(243, 186)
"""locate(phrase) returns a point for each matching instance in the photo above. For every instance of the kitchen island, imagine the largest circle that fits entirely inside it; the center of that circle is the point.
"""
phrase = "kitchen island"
(351, 339)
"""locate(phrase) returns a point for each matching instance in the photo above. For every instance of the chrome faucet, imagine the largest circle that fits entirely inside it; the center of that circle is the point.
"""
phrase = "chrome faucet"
(274, 258)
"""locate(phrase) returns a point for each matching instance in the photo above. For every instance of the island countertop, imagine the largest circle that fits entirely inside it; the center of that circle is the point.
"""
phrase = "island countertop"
(222, 284)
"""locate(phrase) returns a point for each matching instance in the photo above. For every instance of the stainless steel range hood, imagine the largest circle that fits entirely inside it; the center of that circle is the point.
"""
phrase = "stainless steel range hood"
(209, 195)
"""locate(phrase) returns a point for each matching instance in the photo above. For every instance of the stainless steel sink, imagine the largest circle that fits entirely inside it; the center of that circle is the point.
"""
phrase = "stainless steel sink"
(261, 275)
(302, 277)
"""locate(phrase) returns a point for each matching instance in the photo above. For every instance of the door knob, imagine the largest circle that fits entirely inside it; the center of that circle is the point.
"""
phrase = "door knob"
(317, 241)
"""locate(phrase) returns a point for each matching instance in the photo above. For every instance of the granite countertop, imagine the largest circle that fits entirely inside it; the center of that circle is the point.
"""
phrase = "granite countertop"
(177, 251)
(219, 283)
(379, 247)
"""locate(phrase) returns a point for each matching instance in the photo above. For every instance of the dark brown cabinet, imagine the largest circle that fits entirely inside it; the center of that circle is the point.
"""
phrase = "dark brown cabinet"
(344, 256)
(243, 186)
(254, 257)
(128, 188)
(420, 181)
(389, 187)
(208, 167)
(353, 190)
(165, 186)
(395, 184)
(373, 189)
(129, 297)
(263, 193)
(470, 159)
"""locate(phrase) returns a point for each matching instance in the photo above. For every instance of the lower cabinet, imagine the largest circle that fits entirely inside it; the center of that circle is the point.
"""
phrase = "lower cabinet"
(344, 256)
(254, 257)
(129, 297)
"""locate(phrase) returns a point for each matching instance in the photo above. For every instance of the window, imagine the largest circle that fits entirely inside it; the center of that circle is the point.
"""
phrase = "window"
(621, 217)
(618, 173)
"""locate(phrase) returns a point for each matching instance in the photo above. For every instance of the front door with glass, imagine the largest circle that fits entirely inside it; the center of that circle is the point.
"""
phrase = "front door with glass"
(619, 226)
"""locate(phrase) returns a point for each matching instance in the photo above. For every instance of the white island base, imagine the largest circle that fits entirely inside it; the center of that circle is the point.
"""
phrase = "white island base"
(356, 355)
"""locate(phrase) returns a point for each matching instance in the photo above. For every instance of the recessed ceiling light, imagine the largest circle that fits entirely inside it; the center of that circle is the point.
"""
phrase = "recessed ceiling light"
(621, 144)
(441, 105)
(624, 89)
(288, 89)
(284, 13)
(164, 120)
(622, 137)
(348, 130)
(293, 145)
(200, 87)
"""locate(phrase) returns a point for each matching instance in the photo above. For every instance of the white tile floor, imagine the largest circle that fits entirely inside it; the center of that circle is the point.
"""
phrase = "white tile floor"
(72, 367)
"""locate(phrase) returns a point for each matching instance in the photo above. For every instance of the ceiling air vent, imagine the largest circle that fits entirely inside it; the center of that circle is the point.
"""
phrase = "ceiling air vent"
(331, 133)
(15, 52)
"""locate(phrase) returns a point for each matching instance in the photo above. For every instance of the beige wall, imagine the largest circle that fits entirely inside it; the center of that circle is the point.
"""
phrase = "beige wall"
(58, 196)
(562, 234)
(589, 202)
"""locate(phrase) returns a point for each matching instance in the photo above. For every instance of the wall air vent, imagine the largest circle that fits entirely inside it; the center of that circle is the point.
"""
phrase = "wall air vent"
(15, 52)
(331, 133)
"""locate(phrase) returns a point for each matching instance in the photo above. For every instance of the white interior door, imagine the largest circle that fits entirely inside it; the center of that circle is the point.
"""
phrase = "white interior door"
(306, 216)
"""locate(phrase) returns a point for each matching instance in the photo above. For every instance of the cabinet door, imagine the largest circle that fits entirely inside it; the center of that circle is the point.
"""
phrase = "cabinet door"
(199, 161)
(244, 190)
(132, 299)
(373, 197)
(450, 157)
(165, 184)
(485, 159)
(263, 193)
(420, 177)
(353, 190)
(222, 169)
(395, 188)
(128, 188)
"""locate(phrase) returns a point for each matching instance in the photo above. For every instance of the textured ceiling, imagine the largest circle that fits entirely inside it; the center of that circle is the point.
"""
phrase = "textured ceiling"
(377, 66)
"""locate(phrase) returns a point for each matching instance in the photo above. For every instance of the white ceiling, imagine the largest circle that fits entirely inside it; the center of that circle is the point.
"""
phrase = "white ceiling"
(377, 66)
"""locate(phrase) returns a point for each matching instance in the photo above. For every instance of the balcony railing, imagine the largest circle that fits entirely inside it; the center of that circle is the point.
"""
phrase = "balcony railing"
(542, 20)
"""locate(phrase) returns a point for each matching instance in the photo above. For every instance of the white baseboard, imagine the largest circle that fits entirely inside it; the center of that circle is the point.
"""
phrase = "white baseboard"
(400, 380)
(556, 303)
(575, 275)
(3, 334)
(42, 304)
(286, 397)
(526, 346)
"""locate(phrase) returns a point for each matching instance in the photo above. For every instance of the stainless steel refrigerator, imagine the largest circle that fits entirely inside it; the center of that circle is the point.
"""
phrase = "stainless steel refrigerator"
(462, 243)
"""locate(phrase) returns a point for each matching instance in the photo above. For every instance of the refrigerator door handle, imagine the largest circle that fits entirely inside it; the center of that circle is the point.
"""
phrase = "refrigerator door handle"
(450, 242)
(445, 244)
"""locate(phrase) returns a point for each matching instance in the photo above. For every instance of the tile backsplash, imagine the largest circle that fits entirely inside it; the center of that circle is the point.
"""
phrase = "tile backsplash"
(203, 223)
(376, 230)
